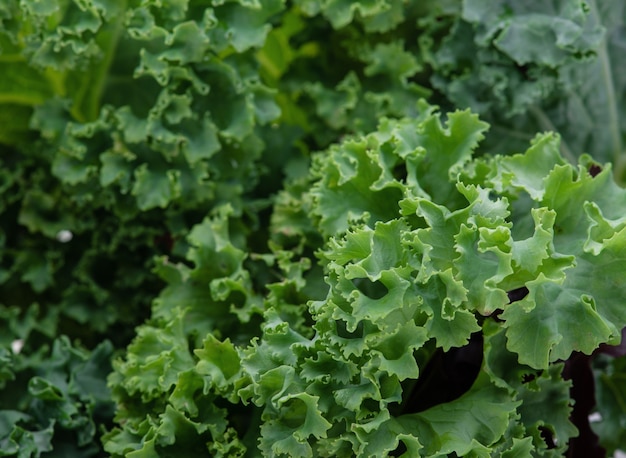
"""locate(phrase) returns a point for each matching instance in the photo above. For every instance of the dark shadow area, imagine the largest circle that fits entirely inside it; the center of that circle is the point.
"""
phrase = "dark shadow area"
(446, 377)
(372, 289)
(578, 369)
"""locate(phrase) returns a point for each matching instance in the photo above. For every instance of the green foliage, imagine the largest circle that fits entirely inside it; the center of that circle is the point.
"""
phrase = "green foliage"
(537, 66)
(407, 273)
(54, 401)
(609, 375)
(243, 228)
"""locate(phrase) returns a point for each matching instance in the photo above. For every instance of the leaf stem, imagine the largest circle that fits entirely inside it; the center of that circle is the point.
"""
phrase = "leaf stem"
(546, 124)
(609, 84)
(89, 93)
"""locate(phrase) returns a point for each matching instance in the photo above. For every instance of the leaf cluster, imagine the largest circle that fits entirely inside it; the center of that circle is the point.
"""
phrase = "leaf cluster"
(243, 227)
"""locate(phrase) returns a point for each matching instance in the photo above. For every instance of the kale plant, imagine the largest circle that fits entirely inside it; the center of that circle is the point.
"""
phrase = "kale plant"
(312, 228)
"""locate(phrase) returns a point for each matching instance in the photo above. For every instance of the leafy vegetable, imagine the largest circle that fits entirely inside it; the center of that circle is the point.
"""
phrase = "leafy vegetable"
(411, 270)
(538, 66)
(54, 401)
(284, 245)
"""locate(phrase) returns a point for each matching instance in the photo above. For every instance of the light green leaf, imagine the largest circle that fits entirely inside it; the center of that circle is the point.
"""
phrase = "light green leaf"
(546, 403)
(246, 24)
(540, 325)
(219, 361)
(447, 150)
(155, 188)
(448, 323)
(470, 424)
(530, 170)
(341, 12)
(391, 59)
(116, 168)
(299, 419)
(346, 190)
